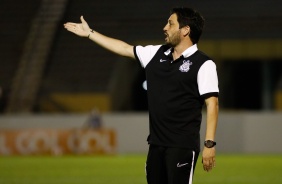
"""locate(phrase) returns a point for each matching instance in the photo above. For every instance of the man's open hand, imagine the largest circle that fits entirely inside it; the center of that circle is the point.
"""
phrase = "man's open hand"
(81, 29)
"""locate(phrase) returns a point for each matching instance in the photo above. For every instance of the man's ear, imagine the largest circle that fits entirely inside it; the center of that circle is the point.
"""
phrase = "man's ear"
(186, 31)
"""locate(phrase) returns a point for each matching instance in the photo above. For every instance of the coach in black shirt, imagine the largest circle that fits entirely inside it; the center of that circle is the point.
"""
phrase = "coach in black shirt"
(180, 79)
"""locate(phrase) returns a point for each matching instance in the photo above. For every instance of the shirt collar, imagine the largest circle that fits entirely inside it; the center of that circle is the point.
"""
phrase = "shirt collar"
(188, 52)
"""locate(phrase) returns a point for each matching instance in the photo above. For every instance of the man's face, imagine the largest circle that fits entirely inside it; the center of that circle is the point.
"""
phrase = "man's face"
(172, 31)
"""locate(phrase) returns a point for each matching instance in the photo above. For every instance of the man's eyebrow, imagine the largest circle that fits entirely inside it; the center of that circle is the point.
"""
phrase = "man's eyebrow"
(170, 21)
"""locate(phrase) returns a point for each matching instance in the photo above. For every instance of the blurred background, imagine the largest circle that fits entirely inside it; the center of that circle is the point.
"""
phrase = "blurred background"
(50, 78)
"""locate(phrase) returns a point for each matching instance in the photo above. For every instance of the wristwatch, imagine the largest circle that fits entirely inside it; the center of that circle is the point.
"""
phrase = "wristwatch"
(209, 143)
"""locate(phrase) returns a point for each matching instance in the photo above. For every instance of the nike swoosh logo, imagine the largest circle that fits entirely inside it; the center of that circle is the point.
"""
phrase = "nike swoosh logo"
(181, 165)
(162, 60)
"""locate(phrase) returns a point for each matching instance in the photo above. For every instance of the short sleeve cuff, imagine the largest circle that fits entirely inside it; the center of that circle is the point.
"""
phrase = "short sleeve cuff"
(208, 95)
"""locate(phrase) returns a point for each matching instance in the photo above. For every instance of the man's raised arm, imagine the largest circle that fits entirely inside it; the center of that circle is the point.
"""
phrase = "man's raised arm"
(116, 46)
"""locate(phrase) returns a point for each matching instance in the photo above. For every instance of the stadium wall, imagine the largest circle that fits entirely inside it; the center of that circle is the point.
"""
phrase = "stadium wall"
(238, 132)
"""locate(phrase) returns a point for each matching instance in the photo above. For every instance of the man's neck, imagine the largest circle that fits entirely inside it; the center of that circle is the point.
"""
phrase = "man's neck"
(180, 48)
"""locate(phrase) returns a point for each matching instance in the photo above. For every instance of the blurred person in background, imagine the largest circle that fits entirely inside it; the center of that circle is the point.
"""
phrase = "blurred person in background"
(180, 79)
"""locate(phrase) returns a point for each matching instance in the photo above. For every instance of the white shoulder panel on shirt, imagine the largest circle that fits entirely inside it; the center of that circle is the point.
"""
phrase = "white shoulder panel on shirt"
(146, 54)
(207, 78)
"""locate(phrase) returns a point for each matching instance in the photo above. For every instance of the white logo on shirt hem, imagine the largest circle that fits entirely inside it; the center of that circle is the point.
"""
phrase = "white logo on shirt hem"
(162, 60)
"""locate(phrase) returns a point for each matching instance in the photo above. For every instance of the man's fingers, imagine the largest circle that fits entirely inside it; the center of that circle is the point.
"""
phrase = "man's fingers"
(208, 164)
(70, 27)
(214, 162)
(70, 24)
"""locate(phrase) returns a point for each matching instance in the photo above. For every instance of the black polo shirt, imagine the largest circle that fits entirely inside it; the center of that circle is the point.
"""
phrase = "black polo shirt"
(174, 98)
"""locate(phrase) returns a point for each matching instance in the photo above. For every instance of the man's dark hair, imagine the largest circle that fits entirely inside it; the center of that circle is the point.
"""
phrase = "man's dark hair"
(193, 19)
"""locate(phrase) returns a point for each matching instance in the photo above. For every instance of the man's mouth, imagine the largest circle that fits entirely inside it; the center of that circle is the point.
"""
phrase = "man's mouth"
(166, 36)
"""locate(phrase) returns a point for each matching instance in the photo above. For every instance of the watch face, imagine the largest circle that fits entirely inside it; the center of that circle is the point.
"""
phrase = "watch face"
(209, 144)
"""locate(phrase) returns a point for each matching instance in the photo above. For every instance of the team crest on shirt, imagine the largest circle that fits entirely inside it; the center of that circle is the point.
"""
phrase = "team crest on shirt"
(185, 67)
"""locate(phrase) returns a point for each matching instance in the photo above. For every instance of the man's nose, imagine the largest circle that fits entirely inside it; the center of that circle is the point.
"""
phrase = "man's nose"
(165, 28)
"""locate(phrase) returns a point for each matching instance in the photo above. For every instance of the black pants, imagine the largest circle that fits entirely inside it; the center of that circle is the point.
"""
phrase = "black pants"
(168, 165)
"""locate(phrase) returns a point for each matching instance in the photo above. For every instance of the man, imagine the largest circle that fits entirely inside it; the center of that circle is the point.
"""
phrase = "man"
(180, 79)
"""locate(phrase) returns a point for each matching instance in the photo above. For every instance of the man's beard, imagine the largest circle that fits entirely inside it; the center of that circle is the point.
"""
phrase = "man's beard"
(174, 39)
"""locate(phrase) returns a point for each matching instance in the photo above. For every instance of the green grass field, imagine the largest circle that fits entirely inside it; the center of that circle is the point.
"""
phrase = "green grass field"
(129, 169)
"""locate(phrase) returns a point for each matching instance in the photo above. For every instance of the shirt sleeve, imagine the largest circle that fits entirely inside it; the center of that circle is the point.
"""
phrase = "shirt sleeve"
(207, 80)
(145, 54)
